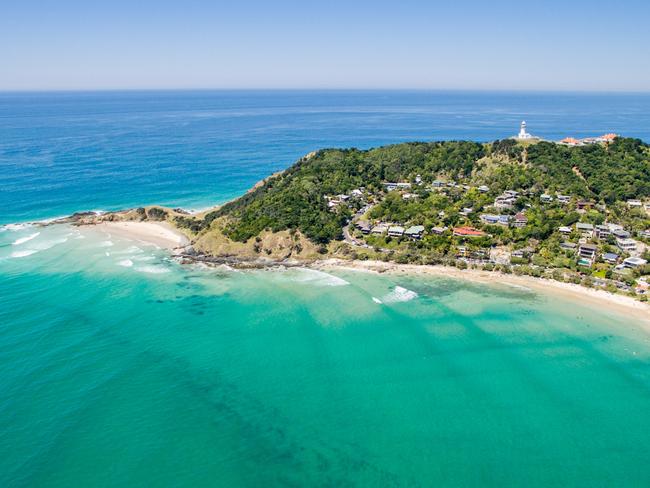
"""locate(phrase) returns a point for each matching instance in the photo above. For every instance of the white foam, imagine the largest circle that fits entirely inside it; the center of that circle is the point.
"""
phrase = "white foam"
(376, 300)
(106, 244)
(127, 263)
(22, 254)
(42, 246)
(23, 240)
(319, 278)
(400, 294)
(143, 258)
(151, 269)
(16, 227)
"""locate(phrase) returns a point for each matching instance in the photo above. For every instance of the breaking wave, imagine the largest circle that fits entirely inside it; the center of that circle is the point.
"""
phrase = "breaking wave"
(319, 278)
(151, 269)
(23, 240)
(400, 294)
(22, 254)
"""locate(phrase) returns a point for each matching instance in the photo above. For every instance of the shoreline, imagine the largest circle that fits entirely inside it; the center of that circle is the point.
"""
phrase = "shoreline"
(621, 304)
(160, 234)
(166, 236)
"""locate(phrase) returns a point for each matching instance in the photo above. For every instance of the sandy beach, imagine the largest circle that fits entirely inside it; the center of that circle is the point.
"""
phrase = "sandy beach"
(586, 296)
(160, 234)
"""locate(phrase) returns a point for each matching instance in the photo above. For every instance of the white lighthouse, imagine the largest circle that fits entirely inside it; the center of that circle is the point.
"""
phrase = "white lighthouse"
(523, 135)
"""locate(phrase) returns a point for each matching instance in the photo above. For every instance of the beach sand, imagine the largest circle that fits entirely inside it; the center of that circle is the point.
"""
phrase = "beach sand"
(621, 304)
(160, 234)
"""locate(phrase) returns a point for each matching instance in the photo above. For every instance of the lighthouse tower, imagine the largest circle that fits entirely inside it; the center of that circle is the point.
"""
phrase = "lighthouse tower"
(522, 132)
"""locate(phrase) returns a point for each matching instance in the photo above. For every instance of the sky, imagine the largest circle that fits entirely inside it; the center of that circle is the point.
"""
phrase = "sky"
(401, 44)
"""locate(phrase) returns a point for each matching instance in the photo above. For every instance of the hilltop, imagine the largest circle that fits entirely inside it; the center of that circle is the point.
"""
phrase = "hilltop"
(574, 213)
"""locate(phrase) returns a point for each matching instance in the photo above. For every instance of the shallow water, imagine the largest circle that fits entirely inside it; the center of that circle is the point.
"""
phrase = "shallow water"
(156, 374)
(119, 367)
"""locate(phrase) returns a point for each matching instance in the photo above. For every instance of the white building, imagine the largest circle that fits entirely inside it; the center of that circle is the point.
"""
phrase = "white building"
(523, 135)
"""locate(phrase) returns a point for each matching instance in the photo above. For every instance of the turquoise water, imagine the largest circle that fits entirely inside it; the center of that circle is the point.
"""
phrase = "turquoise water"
(120, 367)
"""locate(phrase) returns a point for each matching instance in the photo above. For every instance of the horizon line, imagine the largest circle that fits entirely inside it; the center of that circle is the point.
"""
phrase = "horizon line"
(332, 89)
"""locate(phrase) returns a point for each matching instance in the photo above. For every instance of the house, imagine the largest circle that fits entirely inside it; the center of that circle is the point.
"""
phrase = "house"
(468, 232)
(520, 220)
(645, 234)
(363, 226)
(396, 231)
(635, 203)
(504, 201)
(634, 262)
(546, 198)
(438, 230)
(356, 193)
(610, 257)
(522, 253)
(585, 229)
(607, 138)
(568, 246)
(466, 211)
(414, 232)
(438, 184)
(587, 252)
(409, 196)
(602, 232)
(570, 141)
(626, 245)
(563, 199)
(583, 205)
(418, 179)
(565, 230)
(483, 189)
(511, 193)
(379, 229)
(495, 219)
(620, 233)
(390, 186)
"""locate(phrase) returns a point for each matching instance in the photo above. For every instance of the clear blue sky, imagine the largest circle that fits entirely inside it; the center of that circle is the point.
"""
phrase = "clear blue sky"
(457, 44)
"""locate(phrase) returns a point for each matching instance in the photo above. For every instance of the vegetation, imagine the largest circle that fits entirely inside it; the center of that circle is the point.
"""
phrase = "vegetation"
(447, 185)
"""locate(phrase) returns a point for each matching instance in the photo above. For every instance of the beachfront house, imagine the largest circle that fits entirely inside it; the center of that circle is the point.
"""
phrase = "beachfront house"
(587, 254)
(396, 231)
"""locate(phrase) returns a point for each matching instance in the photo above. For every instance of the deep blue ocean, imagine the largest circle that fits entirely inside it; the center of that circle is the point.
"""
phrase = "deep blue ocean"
(65, 152)
(120, 367)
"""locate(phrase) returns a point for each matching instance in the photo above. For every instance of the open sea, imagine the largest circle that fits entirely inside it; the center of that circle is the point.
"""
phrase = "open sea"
(120, 367)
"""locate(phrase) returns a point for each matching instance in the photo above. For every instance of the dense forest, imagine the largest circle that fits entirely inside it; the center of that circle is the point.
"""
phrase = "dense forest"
(295, 199)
